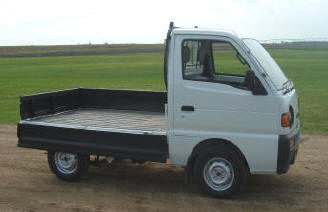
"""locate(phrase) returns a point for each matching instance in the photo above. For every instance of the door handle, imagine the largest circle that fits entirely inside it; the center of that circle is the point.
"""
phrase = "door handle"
(187, 108)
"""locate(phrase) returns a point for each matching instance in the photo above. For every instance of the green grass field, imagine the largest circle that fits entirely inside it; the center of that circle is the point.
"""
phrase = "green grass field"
(69, 50)
(308, 68)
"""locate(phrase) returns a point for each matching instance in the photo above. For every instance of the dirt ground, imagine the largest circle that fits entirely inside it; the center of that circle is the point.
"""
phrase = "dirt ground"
(27, 184)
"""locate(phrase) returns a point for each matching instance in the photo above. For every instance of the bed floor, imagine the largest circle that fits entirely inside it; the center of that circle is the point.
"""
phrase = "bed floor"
(108, 119)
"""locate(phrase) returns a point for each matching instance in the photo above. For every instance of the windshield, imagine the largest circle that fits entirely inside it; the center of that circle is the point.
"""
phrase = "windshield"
(267, 62)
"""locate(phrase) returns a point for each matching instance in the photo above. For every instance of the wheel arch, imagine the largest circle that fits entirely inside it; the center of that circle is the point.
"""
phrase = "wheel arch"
(209, 143)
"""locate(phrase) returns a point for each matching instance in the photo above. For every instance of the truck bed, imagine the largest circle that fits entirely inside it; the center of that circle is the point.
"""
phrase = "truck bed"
(118, 123)
(107, 120)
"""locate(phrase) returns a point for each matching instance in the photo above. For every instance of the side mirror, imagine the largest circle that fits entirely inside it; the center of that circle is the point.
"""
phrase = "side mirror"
(253, 84)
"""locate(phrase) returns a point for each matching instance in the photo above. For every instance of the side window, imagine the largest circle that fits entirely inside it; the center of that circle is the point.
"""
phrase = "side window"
(213, 61)
(227, 60)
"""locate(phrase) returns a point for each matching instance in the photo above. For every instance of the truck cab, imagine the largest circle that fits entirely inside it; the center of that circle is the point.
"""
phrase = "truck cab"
(229, 110)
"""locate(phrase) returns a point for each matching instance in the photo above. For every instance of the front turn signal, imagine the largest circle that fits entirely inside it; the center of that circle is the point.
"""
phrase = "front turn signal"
(285, 120)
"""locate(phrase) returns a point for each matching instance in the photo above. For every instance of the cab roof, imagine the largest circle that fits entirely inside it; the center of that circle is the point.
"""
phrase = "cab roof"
(203, 31)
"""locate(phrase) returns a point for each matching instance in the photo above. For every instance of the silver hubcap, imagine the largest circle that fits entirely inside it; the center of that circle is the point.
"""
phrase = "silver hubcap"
(66, 162)
(218, 174)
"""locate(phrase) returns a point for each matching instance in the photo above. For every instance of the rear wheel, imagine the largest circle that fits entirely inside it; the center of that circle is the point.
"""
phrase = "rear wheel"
(220, 171)
(68, 166)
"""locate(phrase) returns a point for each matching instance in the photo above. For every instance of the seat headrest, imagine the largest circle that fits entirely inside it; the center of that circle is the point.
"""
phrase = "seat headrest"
(201, 55)
(185, 54)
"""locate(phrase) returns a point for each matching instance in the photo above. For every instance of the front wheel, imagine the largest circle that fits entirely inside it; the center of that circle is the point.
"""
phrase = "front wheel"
(220, 171)
(68, 166)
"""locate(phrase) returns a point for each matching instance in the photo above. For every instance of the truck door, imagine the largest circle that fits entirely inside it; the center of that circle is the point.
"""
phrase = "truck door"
(211, 99)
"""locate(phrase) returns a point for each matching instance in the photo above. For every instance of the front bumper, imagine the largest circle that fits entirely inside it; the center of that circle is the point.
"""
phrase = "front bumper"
(286, 154)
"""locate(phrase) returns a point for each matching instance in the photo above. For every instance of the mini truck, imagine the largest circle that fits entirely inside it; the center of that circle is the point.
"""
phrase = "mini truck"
(228, 111)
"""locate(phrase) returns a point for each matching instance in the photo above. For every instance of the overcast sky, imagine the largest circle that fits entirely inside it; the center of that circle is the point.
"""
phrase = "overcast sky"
(34, 22)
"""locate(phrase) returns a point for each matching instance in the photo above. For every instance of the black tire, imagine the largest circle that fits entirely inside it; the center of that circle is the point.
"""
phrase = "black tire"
(228, 157)
(80, 167)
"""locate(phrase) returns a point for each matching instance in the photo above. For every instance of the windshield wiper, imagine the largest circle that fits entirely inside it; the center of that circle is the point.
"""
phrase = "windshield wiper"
(287, 86)
(288, 81)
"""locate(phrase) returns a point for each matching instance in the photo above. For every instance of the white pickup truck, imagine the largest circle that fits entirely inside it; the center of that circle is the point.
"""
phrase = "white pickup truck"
(229, 110)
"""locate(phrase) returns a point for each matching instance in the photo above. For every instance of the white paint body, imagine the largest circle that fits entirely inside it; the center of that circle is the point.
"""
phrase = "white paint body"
(250, 122)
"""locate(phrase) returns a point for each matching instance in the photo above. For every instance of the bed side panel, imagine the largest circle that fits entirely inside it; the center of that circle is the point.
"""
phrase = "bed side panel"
(124, 99)
(124, 145)
(59, 101)
(49, 103)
